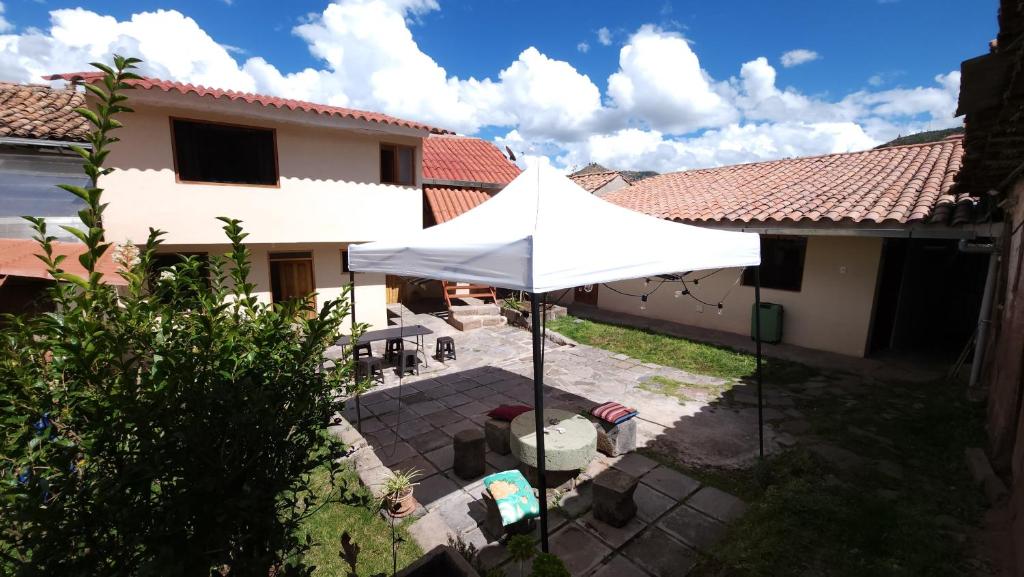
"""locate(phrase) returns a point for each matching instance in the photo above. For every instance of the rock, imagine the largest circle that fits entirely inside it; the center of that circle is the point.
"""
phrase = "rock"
(497, 434)
(615, 440)
(613, 497)
(470, 453)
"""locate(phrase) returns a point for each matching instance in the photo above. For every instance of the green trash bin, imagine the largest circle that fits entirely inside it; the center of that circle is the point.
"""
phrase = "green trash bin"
(771, 322)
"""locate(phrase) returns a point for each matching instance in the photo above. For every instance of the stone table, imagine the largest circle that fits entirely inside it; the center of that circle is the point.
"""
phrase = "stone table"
(569, 450)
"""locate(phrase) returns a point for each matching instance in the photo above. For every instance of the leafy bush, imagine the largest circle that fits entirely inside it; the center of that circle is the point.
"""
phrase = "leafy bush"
(167, 430)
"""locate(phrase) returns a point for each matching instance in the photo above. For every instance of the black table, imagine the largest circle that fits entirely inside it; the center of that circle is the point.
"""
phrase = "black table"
(417, 331)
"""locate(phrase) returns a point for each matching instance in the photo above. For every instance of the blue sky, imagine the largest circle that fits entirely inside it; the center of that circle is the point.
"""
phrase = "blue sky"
(881, 68)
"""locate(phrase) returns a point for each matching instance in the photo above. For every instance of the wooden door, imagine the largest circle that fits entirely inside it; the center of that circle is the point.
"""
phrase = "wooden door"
(394, 289)
(586, 295)
(291, 277)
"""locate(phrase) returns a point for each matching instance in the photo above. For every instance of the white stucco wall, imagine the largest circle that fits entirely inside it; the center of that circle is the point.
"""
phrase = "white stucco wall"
(832, 311)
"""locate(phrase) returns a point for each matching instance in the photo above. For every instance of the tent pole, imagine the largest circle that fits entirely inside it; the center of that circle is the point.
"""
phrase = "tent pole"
(538, 406)
(757, 340)
(352, 342)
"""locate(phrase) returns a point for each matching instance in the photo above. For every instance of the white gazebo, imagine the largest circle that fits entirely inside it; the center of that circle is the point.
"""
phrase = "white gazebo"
(544, 233)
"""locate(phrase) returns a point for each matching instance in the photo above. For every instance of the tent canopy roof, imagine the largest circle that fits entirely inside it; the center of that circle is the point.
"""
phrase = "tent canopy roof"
(544, 233)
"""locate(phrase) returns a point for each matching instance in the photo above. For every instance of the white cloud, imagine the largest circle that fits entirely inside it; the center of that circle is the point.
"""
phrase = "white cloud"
(583, 47)
(659, 110)
(876, 80)
(797, 57)
(5, 25)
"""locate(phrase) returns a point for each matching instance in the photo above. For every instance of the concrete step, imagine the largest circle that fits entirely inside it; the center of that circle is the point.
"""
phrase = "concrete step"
(475, 310)
(470, 322)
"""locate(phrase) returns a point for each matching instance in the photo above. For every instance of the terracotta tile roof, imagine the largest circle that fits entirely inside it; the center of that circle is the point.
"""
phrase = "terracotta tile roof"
(263, 100)
(18, 258)
(901, 184)
(591, 181)
(447, 202)
(465, 159)
(41, 113)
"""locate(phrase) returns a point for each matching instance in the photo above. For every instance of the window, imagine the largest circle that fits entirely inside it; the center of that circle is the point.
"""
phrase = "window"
(782, 263)
(224, 153)
(397, 164)
(344, 260)
(291, 276)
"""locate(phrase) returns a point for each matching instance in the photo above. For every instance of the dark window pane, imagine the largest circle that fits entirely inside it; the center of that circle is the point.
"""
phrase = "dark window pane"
(406, 170)
(224, 153)
(387, 165)
(782, 263)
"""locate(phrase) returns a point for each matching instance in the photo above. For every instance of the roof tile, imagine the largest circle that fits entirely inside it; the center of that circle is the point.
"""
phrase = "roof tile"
(41, 112)
(465, 159)
(448, 202)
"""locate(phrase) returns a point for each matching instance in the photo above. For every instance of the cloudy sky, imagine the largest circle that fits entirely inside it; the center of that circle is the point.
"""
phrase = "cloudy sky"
(646, 85)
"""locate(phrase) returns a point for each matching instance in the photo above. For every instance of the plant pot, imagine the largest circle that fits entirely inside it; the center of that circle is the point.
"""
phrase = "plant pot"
(400, 505)
(441, 561)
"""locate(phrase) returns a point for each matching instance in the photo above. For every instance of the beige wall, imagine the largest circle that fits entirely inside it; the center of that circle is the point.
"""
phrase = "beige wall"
(330, 280)
(612, 185)
(328, 192)
(832, 311)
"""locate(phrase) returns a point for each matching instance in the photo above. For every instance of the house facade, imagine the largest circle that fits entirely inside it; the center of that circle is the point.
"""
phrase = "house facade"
(600, 182)
(306, 180)
(854, 247)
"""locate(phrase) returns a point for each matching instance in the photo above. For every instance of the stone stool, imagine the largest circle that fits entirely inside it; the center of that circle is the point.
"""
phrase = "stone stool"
(444, 349)
(363, 350)
(370, 368)
(492, 523)
(393, 348)
(497, 433)
(408, 362)
(613, 497)
(469, 453)
(615, 440)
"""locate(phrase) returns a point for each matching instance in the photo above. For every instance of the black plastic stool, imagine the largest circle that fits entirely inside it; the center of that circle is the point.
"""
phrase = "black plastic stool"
(393, 348)
(445, 348)
(408, 362)
(370, 368)
(363, 350)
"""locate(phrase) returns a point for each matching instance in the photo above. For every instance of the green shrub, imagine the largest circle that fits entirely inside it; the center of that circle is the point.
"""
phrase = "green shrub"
(167, 430)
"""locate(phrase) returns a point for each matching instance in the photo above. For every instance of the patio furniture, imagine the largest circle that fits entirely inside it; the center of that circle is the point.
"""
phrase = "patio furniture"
(408, 362)
(615, 440)
(497, 432)
(413, 332)
(393, 348)
(444, 348)
(370, 368)
(512, 507)
(470, 453)
(362, 350)
(570, 440)
(613, 497)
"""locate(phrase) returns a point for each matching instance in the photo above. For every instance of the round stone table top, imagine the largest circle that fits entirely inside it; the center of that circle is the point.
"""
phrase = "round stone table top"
(569, 443)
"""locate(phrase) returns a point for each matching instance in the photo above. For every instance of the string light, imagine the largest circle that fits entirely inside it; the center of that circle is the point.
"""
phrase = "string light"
(643, 302)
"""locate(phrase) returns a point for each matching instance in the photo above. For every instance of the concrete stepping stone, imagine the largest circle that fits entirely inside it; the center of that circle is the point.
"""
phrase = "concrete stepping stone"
(660, 554)
(426, 407)
(692, 528)
(455, 400)
(416, 463)
(619, 566)
(461, 512)
(412, 428)
(651, 504)
(429, 531)
(434, 489)
(670, 482)
(717, 504)
(393, 453)
(431, 440)
(615, 537)
(633, 464)
(579, 550)
(442, 458)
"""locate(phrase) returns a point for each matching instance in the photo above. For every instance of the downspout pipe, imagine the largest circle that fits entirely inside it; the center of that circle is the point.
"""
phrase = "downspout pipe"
(984, 313)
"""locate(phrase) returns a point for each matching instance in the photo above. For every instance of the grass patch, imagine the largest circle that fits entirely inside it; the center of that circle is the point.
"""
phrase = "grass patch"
(652, 347)
(350, 508)
(682, 391)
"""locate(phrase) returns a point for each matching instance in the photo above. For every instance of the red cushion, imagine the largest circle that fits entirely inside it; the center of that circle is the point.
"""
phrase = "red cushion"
(508, 412)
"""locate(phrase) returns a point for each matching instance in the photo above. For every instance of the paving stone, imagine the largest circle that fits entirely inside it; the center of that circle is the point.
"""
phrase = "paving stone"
(412, 428)
(427, 407)
(650, 504)
(692, 528)
(472, 409)
(382, 408)
(429, 531)
(670, 482)
(619, 566)
(426, 384)
(461, 425)
(393, 453)
(577, 501)
(455, 400)
(416, 463)
(838, 456)
(615, 537)
(663, 556)
(434, 489)
(371, 425)
(431, 440)
(461, 512)
(578, 549)
(412, 398)
(501, 462)
(442, 458)
(442, 419)
(717, 504)
(634, 464)
(795, 427)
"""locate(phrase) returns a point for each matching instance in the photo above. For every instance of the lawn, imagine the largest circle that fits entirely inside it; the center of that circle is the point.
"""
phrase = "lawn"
(350, 508)
(652, 347)
(903, 509)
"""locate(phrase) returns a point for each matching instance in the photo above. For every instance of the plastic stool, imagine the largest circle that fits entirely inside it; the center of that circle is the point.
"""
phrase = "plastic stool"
(370, 368)
(363, 350)
(408, 362)
(393, 348)
(445, 348)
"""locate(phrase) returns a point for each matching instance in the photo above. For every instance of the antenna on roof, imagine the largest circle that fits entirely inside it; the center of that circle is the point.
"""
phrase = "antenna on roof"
(511, 156)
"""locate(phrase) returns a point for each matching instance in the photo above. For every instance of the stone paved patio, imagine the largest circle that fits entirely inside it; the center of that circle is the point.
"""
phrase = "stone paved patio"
(409, 424)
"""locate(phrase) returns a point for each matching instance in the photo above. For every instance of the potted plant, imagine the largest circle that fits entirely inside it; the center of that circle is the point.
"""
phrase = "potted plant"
(397, 493)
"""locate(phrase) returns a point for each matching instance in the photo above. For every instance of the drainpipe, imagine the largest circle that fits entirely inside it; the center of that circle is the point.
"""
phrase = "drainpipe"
(984, 320)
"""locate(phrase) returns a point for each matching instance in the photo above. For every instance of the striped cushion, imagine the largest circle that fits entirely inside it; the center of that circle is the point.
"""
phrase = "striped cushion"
(613, 412)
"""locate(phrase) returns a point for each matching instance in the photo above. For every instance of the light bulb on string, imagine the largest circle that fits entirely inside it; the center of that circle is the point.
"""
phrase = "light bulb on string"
(643, 302)
(720, 307)
(647, 282)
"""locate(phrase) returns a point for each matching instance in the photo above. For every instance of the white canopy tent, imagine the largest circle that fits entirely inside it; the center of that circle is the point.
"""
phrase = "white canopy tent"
(544, 233)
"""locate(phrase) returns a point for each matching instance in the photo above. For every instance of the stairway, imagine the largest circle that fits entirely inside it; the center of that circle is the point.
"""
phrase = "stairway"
(475, 315)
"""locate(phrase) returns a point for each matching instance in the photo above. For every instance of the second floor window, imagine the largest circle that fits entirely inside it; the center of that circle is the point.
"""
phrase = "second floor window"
(224, 153)
(397, 164)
